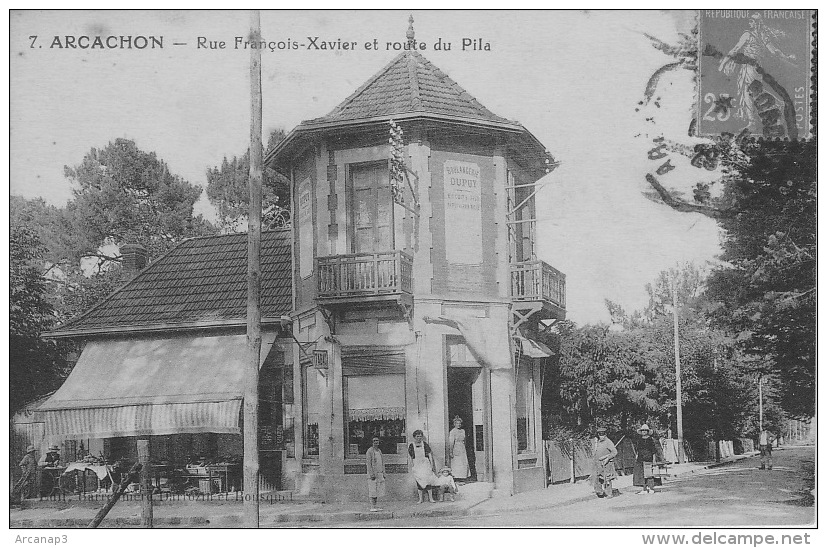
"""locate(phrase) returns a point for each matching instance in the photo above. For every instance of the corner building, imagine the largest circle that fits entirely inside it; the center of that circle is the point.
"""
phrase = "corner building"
(418, 294)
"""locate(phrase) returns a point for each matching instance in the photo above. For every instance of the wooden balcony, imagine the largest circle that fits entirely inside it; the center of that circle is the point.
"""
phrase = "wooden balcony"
(536, 282)
(364, 277)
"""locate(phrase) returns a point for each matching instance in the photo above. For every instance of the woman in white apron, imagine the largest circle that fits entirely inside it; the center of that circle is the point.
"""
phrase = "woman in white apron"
(422, 466)
(457, 452)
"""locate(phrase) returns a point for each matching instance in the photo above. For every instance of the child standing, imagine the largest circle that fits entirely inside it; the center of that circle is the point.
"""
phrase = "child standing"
(376, 474)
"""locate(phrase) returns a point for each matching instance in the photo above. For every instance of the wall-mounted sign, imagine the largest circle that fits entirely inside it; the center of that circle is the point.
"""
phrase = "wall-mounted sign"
(320, 359)
(305, 222)
(463, 213)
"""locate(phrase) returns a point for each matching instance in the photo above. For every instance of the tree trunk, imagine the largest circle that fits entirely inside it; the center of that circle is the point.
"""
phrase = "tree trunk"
(116, 494)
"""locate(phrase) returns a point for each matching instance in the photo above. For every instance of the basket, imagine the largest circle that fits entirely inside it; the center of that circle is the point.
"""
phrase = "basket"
(656, 470)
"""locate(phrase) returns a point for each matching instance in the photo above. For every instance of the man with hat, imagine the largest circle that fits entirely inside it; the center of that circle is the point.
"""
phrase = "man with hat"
(604, 468)
(25, 485)
(52, 458)
(648, 450)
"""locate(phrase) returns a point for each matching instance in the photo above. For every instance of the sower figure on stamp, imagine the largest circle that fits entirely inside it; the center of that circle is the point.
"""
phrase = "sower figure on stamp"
(376, 474)
(748, 52)
(648, 452)
(604, 466)
(765, 441)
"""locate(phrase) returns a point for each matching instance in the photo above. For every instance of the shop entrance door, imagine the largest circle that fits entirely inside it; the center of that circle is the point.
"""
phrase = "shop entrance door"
(466, 400)
(271, 421)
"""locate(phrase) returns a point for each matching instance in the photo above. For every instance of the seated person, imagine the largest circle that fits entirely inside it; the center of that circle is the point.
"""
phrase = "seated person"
(52, 458)
(445, 484)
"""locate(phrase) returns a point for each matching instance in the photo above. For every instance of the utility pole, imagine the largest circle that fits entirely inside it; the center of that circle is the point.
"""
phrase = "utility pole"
(677, 372)
(253, 285)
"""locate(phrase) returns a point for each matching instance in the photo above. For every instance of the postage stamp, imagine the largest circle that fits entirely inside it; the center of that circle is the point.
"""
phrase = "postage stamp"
(755, 70)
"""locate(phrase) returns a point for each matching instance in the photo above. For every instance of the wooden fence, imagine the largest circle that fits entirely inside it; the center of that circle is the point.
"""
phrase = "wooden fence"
(567, 459)
(572, 460)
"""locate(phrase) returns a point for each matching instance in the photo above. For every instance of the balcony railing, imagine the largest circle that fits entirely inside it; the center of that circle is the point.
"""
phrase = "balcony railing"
(538, 281)
(364, 275)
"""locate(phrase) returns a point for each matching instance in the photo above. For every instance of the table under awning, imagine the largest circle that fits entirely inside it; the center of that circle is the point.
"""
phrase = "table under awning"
(153, 386)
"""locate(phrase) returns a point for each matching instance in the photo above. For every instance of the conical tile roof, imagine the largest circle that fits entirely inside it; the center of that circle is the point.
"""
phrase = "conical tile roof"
(409, 84)
(410, 87)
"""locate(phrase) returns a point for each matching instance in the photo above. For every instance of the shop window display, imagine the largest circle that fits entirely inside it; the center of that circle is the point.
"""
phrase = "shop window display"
(375, 406)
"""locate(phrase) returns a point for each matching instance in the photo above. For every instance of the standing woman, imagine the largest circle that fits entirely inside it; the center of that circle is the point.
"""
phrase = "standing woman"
(604, 467)
(648, 449)
(457, 452)
(422, 465)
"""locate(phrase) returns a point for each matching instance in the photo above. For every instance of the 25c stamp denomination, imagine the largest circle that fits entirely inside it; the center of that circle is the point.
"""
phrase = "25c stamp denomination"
(755, 70)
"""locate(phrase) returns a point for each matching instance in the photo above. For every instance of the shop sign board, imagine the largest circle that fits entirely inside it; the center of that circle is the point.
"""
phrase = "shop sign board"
(305, 228)
(463, 214)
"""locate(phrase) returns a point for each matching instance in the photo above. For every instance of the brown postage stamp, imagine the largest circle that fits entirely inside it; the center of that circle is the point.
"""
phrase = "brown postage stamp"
(755, 73)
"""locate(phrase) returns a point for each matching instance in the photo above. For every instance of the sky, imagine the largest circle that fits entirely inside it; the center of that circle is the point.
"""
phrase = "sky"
(574, 79)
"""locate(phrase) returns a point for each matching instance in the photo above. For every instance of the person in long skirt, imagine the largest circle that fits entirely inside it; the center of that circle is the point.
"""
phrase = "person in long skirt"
(376, 474)
(648, 450)
(422, 466)
(456, 451)
(604, 465)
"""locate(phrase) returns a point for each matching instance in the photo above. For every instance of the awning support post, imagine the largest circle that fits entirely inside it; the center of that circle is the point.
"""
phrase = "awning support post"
(146, 483)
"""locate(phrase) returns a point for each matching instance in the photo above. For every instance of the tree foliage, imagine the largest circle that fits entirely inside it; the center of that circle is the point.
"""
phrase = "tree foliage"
(767, 294)
(36, 366)
(63, 260)
(623, 374)
(227, 190)
(765, 202)
(125, 195)
(601, 374)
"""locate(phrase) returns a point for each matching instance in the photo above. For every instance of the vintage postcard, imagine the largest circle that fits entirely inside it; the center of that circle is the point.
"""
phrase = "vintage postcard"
(433, 269)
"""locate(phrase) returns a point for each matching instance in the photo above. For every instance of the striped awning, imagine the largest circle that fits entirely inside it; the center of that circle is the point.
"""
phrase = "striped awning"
(137, 387)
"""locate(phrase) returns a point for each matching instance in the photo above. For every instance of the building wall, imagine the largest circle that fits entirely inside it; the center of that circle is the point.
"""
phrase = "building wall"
(442, 287)
(450, 276)
(305, 170)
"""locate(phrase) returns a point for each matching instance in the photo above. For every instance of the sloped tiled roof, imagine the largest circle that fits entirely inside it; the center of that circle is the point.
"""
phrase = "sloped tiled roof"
(201, 282)
(409, 84)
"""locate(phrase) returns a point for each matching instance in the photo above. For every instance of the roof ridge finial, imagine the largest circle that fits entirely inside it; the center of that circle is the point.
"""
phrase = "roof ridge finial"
(410, 34)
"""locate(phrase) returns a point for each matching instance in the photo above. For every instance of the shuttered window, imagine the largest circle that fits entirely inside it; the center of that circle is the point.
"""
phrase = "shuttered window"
(371, 208)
